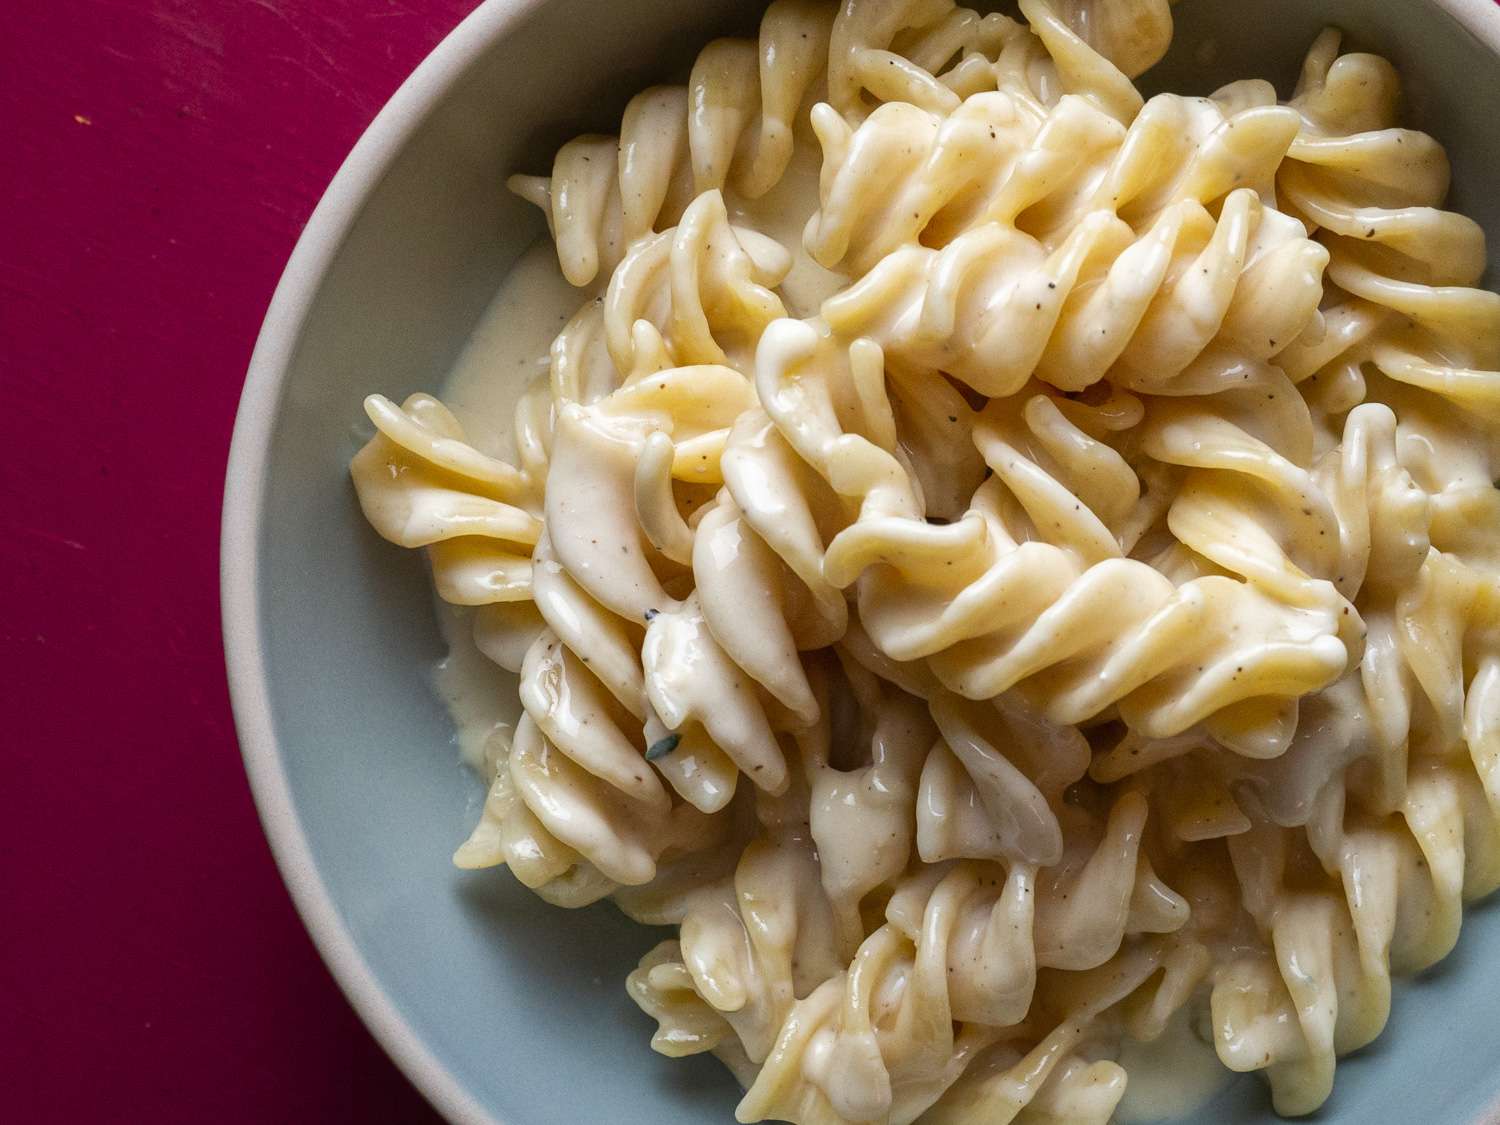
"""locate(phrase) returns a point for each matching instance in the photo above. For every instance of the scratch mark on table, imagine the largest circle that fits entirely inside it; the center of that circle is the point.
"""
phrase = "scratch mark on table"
(49, 537)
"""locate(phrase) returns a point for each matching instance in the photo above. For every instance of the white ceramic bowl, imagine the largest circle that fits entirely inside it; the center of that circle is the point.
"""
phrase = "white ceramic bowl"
(500, 1008)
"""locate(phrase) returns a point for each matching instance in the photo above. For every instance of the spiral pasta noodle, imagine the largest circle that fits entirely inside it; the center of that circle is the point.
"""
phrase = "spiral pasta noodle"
(1187, 305)
(1022, 594)
(732, 126)
(1031, 578)
(905, 174)
(732, 123)
(421, 485)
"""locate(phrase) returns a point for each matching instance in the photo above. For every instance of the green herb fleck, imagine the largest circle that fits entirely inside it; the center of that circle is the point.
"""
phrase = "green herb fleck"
(663, 748)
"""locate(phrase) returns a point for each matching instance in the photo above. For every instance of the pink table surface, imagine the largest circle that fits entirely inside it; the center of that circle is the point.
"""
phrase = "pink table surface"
(160, 158)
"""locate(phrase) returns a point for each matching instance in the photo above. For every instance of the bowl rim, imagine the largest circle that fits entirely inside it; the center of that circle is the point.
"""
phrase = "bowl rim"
(241, 530)
(243, 513)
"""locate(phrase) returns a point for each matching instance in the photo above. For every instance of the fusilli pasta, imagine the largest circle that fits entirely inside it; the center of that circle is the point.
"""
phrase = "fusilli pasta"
(1085, 619)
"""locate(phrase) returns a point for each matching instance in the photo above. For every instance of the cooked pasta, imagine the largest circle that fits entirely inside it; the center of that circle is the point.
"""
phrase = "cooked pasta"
(1029, 587)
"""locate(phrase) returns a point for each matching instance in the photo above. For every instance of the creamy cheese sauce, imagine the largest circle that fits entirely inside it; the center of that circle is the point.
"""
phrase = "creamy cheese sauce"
(782, 213)
(480, 695)
(1172, 1076)
(508, 349)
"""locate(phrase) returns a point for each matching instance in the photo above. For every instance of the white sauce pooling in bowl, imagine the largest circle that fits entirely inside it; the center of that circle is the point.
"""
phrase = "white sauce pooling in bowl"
(506, 351)
(480, 696)
(1171, 1076)
(509, 348)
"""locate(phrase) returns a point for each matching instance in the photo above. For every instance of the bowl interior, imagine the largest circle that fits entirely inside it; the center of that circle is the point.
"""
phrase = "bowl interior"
(524, 1004)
